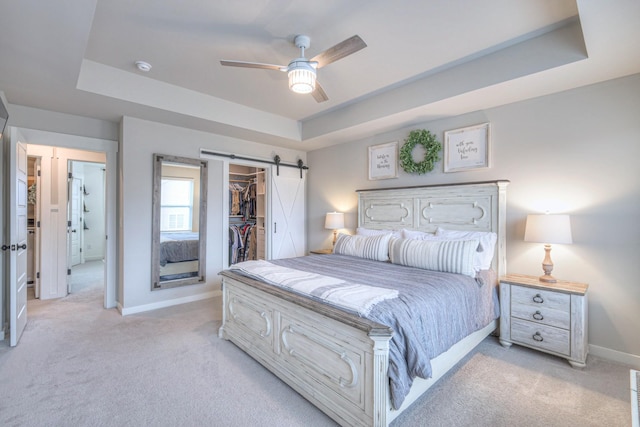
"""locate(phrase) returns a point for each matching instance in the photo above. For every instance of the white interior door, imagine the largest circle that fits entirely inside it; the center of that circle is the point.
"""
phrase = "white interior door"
(36, 249)
(18, 235)
(75, 218)
(287, 220)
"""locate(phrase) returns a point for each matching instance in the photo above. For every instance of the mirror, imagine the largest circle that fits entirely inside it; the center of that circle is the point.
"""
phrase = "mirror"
(179, 221)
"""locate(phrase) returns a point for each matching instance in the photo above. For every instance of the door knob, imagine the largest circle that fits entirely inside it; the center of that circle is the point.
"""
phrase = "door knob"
(23, 246)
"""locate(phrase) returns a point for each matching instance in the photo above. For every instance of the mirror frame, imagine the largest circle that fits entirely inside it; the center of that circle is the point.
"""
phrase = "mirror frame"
(158, 160)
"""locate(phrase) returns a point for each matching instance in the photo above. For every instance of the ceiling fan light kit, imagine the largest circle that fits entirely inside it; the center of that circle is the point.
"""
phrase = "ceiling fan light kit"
(302, 76)
(302, 71)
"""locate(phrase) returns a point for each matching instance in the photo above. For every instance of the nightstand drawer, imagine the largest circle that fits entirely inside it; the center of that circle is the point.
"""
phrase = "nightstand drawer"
(542, 315)
(540, 298)
(541, 336)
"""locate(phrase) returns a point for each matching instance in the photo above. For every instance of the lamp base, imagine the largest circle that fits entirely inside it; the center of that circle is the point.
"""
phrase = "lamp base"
(547, 278)
(547, 266)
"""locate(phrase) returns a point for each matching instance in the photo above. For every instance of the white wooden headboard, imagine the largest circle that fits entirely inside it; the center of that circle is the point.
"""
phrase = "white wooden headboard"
(479, 206)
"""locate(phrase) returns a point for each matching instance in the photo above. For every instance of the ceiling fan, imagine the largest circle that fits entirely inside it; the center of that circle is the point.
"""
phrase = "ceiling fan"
(302, 71)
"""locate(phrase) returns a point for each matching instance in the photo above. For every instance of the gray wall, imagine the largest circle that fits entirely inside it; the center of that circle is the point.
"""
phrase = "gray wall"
(140, 140)
(575, 152)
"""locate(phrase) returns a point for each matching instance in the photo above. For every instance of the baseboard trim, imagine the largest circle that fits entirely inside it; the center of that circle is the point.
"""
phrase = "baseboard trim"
(167, 303)
(628, 359)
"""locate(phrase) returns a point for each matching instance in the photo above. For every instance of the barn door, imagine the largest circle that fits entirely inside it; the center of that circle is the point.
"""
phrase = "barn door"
(287, 209)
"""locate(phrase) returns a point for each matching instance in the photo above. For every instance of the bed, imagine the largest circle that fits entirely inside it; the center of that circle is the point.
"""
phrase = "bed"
(339, 360)
(179, 255)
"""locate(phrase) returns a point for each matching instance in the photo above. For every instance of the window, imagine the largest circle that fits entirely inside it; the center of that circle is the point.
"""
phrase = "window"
(176, 204)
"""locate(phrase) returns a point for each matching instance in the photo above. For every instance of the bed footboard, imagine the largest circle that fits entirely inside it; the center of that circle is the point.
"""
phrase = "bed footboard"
(335, 360)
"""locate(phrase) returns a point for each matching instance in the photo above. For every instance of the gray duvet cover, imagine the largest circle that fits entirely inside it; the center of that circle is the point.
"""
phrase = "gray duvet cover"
(179, 247)
(434, 310)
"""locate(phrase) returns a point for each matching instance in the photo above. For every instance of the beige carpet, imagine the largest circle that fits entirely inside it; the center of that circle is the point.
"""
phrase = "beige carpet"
(80, 365)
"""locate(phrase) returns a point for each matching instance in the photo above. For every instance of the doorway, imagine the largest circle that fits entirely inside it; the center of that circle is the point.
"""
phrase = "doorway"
(56, 149)
(86, 219)
(67, 219)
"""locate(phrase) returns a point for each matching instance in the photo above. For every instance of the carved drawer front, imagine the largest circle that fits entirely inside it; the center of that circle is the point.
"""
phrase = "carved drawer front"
(546, 307)
(251, 315)
(315, 353)
(541, 336)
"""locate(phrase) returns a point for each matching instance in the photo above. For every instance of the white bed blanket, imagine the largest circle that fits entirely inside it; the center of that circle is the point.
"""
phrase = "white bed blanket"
(351, 296)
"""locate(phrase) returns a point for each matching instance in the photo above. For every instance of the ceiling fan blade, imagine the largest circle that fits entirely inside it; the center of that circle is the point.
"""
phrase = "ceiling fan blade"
(319, 94)
(339, 51)
(253, 65)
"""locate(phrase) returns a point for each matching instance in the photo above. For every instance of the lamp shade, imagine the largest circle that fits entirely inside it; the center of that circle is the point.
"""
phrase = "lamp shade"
(334, 220)
(548, 229)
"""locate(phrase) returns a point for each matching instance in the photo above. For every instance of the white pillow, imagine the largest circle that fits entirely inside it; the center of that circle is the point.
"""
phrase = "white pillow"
(487, 241)
(361, 231)
(450, 256)
(368, 247)
(414, 234)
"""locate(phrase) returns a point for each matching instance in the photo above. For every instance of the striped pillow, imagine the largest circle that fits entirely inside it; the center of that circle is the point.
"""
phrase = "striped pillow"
(451, 256)
(368, 247)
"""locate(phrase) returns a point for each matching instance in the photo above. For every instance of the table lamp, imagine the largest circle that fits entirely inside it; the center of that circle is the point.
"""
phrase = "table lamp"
(548, 229)
(334, 221)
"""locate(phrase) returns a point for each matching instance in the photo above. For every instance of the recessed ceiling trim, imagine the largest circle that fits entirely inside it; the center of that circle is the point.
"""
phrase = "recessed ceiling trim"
(553, 49)
(115, 83)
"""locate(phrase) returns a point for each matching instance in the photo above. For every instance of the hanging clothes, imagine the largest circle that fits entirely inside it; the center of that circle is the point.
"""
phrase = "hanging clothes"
(242, 246)
(235, 198)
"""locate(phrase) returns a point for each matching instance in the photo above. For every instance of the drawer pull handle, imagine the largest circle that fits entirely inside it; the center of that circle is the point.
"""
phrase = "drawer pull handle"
(538, 316)
(538, 299)
(538, 337)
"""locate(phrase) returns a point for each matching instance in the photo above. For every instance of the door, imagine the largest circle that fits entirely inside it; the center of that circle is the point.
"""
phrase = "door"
(287, 220)
(18, 243)
(36, 248)
(75, 220)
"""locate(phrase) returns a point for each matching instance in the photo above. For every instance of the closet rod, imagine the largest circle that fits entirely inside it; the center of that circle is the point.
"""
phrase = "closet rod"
(275, 161)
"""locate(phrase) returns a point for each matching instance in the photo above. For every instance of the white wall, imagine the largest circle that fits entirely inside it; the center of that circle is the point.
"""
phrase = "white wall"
(140, 139)
(575, 152)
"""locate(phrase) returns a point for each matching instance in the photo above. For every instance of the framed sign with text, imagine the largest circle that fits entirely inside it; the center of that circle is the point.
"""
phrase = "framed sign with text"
(467, 148)
(383, 161)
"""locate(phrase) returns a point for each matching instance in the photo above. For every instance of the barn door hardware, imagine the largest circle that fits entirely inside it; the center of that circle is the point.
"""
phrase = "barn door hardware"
(276, 160)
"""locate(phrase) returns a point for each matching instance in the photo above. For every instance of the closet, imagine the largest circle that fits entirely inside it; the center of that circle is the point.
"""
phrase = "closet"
(247, 208)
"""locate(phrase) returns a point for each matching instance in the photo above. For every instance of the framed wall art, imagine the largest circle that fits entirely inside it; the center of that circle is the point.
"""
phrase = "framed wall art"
(467, 148)
(383, 161)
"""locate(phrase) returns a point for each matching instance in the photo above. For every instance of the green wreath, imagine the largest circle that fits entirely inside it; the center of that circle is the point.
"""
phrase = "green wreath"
(431, 149)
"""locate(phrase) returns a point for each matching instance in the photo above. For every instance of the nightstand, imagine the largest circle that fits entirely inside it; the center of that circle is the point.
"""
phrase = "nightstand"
(321, 251)
(550, 317)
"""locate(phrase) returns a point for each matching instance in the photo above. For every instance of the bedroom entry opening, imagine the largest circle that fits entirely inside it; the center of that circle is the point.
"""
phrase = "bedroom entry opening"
(66, 221)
